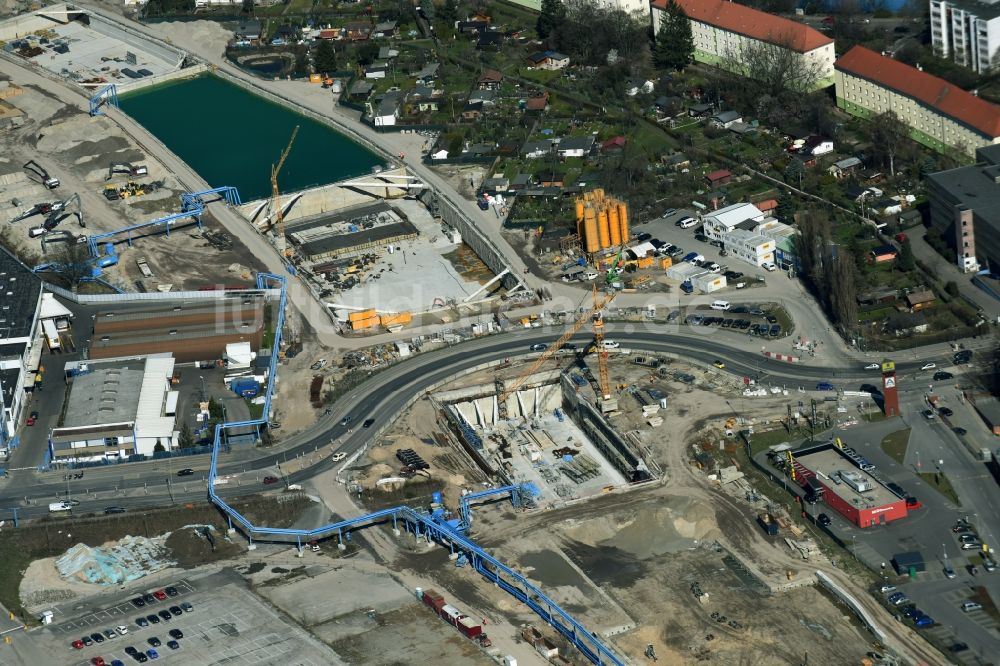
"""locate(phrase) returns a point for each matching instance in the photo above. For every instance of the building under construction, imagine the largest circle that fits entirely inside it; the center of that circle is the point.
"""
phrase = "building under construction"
(601, 221)
(352, 231)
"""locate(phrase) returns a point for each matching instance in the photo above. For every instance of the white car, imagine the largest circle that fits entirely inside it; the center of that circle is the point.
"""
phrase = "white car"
(340, 455)
(872, 366)
(928, 366)
(590, 275)
(318, 365)
(611, 344)
(769, 266)
(122, 629)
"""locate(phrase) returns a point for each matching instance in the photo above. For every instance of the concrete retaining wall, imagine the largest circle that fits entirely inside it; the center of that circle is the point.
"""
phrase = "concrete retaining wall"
(186, 73)
(483, 246)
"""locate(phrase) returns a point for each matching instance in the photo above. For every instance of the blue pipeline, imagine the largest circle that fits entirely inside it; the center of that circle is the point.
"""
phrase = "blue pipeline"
(436, 526)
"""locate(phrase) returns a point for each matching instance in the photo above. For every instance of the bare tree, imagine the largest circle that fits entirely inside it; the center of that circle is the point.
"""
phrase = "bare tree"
(774, 66)
(844, 294)
(889, 136)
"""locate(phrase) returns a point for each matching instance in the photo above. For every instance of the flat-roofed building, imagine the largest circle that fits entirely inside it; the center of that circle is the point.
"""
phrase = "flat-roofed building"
(117, 408)
(967, 31)
(940, 115)
(722, 31)
(20, 305)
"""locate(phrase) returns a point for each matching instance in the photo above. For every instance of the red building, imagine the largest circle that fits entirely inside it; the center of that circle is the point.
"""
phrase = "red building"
(846, 488)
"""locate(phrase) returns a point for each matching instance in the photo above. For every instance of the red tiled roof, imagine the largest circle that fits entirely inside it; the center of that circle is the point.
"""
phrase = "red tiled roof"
(718, 175)
(766, 205)
(614, 142)
(752, 23)
(944, 97)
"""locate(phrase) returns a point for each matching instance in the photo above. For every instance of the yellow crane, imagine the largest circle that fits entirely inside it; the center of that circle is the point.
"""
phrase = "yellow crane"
(278, 221)
(593, 316)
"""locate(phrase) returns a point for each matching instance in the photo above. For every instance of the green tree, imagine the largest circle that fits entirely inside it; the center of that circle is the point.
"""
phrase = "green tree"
(448, 12)
(674, 42)
(552, 16)
(906, 260)
(159, 447)
(325, 57)
(301, 64)
(794, 172)
(186, 439)
(951, 287)
(786, 208)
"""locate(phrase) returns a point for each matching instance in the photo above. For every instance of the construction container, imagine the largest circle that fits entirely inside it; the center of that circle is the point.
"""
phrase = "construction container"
(363, 314)
(434, 600)
(398, 319)
(708, 282)
(361, 324)
(469, 627)
(666, 262)
(645, 262)
(616, 236)
(547, 649)
(509, 660)
(245, 387)
(604, 229)
(531, 635)
(451, 615)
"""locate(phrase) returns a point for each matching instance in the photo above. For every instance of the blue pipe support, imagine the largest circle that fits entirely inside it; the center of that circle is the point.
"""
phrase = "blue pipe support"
(433, 526)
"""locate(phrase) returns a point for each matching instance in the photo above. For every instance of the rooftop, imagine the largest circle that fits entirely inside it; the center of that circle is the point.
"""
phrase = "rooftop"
(944, 97)
(20, 291)
(752, 23)
(824, 462)
(974, 187)
(107, 395)
(982, 9)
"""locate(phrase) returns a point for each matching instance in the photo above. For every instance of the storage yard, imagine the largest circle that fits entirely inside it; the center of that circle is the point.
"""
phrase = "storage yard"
(89, 157)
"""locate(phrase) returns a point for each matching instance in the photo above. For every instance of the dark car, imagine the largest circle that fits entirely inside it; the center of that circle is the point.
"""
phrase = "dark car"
(97, 637)
(368, 422)
(138, 602)
(115, 509)
(154, 641)
(185, 472)
(268, 480)
(344, 421)
(733, 275)
(131, 651)
(171, 591)
(173, 645)
(538, 347)
(896, 488)
(140, 657)
(946, 411)
(701, 237)
(715, 243)
(176, 633)
(775, 330)
(87, 640)
(960, 431)
(187, 607)
(153, 619)
(165, 615)
(771, 319)
(941, 375)
(176, 610)
(823, 519)
(141, 622)
(643, 237)
(958, 647)
(963, 356)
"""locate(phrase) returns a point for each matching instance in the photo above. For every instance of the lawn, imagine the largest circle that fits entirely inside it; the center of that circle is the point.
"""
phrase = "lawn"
(939, 481)
(894, 444)
(13, 561)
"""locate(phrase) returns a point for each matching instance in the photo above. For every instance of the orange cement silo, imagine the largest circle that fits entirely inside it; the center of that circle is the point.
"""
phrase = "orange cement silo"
(604, 228)
(616, 236)
(623, 221)
(591, 239)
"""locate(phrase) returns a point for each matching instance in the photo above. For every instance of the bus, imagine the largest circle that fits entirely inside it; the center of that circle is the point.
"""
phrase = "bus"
(51, 334)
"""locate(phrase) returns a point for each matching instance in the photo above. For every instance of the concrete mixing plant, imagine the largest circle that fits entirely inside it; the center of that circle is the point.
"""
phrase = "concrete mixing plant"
(601, 221)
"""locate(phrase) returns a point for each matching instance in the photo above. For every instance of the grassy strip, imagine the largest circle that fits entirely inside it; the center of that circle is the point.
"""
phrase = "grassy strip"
(894, 444)
(939, 481)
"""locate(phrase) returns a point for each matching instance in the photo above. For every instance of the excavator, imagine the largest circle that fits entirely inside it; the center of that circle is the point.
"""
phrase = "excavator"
(127, 169)
(39, 174)
(615, 269)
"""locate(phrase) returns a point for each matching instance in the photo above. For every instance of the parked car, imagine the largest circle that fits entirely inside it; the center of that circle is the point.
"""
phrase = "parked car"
(153, 641)
(176, 633)
(160, 595)
(686, 222)
(77, 644)
(971, 546)
(173, 645)
(769, 266)
(32, 418)
(701, 238)
(122, 629)
(138, 602)
(885, 588)
(165, 615)
(97, 637)
(153, 654)
(823, 520)
(949, 572)
(110, 634)
(967, 538)
(643, 237)
(961, 432)
(946, 411)
(141, 622)
(733, 275)
(924, 621)
(171, 591)
(153, 619)
(186, 607)
(929, 414)
(970, 606)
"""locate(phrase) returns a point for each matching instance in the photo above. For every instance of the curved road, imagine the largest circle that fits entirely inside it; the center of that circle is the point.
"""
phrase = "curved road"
(383, 396)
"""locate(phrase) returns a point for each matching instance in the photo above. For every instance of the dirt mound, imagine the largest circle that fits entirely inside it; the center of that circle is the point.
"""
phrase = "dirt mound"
(195, 545)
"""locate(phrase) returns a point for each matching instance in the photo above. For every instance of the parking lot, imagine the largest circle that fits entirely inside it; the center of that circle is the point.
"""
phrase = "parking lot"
(225, 624)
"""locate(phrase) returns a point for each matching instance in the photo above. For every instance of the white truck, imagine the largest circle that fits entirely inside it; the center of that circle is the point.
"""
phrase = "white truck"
(60, 506)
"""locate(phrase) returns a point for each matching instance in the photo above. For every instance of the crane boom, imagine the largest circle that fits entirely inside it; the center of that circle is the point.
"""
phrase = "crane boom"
(554, 347)
(279, 219)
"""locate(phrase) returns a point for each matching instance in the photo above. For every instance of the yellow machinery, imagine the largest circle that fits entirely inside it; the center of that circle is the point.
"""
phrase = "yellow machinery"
(594, 316)
(791, 464)
(278, 221)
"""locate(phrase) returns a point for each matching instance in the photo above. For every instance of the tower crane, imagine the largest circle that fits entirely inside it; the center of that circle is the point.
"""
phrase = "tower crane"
(279, 218)
(602, 354)
(593, 316)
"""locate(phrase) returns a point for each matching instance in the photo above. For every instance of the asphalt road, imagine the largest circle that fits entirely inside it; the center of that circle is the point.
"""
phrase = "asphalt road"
(387, 392)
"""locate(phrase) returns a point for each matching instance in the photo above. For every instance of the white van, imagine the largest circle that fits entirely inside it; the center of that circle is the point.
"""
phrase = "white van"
(60, 506)
(611, 344)
(720, 305)
(687, 222)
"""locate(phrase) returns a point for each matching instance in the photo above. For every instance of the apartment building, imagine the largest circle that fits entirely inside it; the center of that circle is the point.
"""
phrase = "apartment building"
(721, 30)
(940, 115)
(968, 32)
(965, 209)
